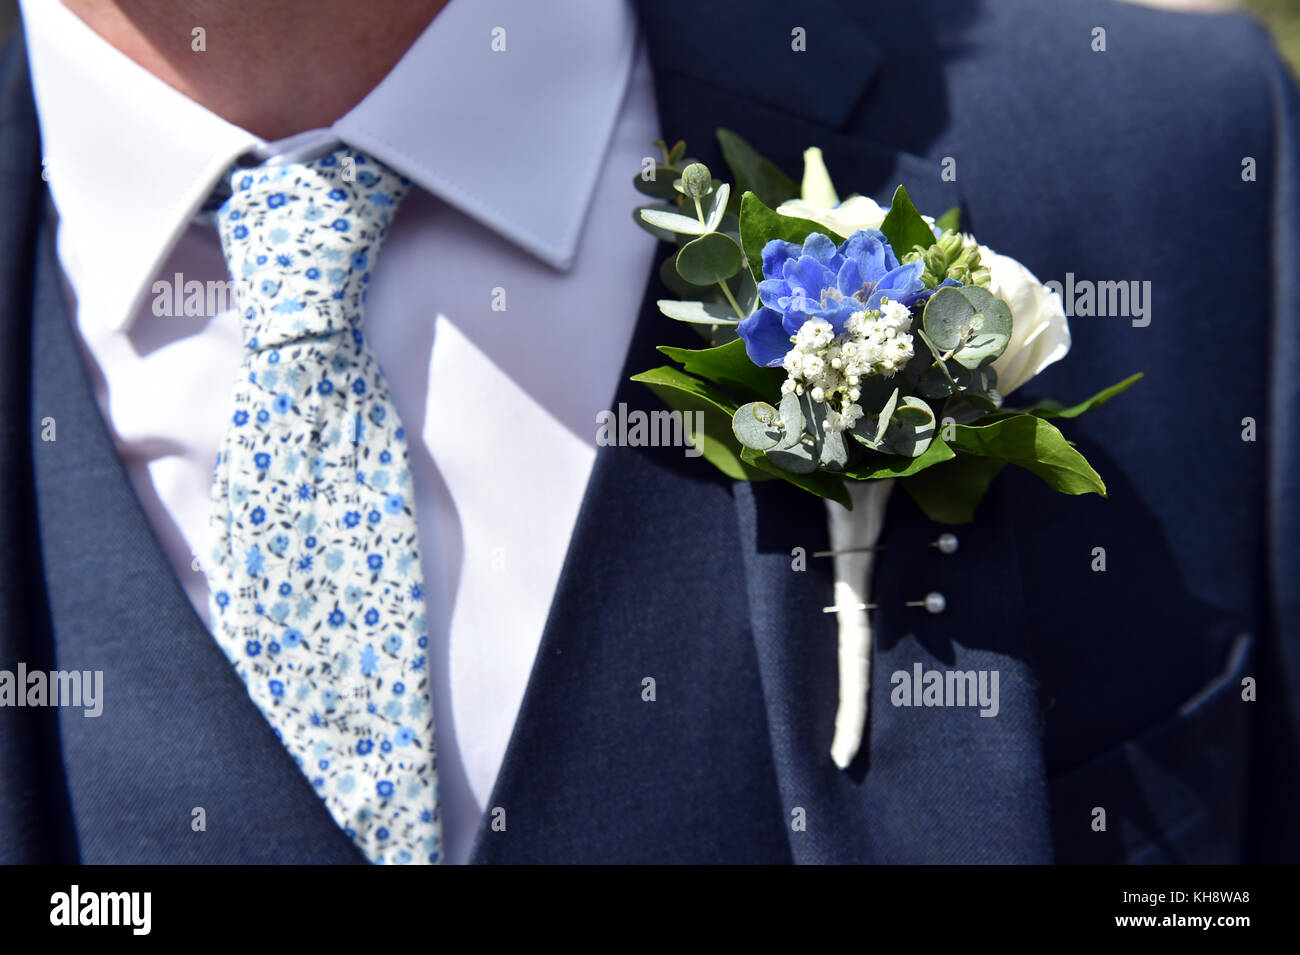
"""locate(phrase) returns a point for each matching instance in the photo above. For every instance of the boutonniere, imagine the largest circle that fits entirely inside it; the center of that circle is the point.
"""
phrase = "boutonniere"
(850, 347)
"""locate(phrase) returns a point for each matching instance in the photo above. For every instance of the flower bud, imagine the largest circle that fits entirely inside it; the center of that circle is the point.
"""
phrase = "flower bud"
(696, 180)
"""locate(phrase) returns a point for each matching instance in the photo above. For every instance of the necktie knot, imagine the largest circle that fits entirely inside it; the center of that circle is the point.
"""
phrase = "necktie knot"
(301, 240)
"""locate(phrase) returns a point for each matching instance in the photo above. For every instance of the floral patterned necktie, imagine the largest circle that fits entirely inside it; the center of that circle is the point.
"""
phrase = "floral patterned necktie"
(316, 589)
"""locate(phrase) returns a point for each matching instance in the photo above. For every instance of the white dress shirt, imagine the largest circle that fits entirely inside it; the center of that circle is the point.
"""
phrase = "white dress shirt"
(524, 158)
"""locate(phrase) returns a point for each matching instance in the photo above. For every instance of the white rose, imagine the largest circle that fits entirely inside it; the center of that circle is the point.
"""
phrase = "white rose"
(1040, 334)
(859, 212)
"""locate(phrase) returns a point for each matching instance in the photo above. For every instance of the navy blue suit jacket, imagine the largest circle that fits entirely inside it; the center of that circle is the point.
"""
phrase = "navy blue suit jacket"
(1119, 689)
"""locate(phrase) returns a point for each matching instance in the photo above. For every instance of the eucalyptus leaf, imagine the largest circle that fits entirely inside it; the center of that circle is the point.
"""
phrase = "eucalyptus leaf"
(718, 209)
(910, 430)
(990, 328)
(947, 318)
(698, 313)
(791, 420)
(661, 186)
(832, 453)
(755, 426)
(675, 283)
(710, 258)
(671, 222)
(797, 459)
(754, 173)
(903, 225)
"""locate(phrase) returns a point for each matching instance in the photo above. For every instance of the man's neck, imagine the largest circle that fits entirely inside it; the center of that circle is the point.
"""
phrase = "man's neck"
(274, 69)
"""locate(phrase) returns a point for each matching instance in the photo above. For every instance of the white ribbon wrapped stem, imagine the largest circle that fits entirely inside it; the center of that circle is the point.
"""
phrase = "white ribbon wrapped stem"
(851, 532)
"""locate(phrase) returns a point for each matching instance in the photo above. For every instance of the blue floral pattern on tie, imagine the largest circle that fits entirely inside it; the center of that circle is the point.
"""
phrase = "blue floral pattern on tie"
(317, 594)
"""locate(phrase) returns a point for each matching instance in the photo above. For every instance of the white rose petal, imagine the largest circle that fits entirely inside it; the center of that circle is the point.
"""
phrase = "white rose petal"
(848, 217)
(1040, 334)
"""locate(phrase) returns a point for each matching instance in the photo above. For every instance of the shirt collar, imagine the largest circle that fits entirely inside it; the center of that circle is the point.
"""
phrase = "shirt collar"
(503, 109)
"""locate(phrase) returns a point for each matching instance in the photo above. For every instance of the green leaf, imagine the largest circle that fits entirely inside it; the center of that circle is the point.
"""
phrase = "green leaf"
(729, 366)
(896, 466)
(1032, 443)
(904, 227)
(821, 483)
(950, 492)
(677, 151)
(675, 283)
(698, 313)
(718, 444)
(667, 220)
(754, 173)
(755, 426)
(791, 421)
(1100, 398)
(949, 220)
(710, 258)
(759, 225)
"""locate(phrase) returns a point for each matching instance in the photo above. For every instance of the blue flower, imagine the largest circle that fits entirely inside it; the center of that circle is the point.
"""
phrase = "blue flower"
(385, 457)
(257, 516)
(275, 200)
(416, 593)
(292, 637)
(369, 661)
(399, 688)
(338, 195)
(289, 306)
(325, 387)
(340, 225)
(284, 260)
(359, 386)
(223, 599)
(279, 544)
(262, 460)
(374, 561)
(821, 280)
(277, 688)
(286, 589)
(403, 736)
(241, 417)
(364, 747)
(378, 413)
(352, 518)
(282, 404)
(241, 232)
(246, 182)
(359, 260)
(393, 643)
(252, 648)
(372, 617)
(336, 618)
(334, 560)
(263, 416)
(386, 746)
(270, 287)
(381, 833)
(305, 562)
(304, 492)
(256, 562)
